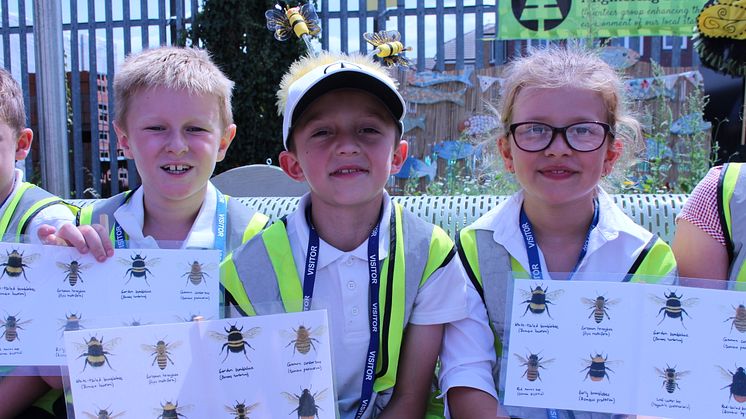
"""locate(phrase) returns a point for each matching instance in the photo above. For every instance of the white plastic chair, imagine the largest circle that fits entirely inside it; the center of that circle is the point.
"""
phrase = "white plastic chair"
(258, 180)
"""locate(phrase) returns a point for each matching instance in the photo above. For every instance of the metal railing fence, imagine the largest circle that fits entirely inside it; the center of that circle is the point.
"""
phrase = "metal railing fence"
(98, 34)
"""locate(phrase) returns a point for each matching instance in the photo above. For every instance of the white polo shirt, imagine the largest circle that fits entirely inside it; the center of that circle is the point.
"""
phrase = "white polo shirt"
(341, 288)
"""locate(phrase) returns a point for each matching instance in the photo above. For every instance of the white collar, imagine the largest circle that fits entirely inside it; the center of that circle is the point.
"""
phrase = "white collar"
(298, 226)
(131, 217)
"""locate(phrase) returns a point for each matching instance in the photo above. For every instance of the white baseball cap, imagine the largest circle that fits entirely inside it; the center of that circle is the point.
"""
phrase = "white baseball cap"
(340, 74)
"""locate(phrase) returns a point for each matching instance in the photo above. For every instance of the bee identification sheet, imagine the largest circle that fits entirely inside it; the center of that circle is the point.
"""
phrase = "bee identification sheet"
(259, 367)
(46, 291)
(625, 348)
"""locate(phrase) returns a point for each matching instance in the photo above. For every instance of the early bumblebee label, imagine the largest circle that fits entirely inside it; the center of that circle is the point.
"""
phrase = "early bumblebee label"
(625, 348)
(266, 366)
(46, 291)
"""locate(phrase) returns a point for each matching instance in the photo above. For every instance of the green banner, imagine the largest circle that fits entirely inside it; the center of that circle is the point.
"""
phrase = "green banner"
(558, 19)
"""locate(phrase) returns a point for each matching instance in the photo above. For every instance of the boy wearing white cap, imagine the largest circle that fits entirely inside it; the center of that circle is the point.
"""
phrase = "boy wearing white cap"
(387, 278)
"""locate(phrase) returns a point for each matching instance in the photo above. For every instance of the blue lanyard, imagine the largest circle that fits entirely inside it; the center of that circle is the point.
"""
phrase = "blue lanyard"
(221, 215)
(309, 279)
(120, 237)
(532, 248)
(534, 262)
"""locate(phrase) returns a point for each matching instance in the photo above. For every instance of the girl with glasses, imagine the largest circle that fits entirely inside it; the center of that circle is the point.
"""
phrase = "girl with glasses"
(565, 127)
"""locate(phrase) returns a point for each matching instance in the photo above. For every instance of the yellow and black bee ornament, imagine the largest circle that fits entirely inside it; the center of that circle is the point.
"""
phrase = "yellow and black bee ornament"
(301, 21)
(388, 47)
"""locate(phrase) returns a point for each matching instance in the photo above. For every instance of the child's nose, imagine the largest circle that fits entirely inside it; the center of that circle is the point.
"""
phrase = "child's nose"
(347, 143)
(559, 145)
(177, 143)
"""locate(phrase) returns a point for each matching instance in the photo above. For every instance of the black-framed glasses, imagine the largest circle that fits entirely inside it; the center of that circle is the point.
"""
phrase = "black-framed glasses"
(581, 136)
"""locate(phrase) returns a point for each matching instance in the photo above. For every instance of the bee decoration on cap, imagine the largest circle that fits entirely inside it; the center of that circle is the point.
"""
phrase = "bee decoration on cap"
(388, 47)
(300, 20)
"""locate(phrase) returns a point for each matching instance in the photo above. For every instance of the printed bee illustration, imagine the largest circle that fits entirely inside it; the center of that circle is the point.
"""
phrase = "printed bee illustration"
(11, 324)
(599, 307)
(739, 320)
(235, 340)
(284, 20)
(673, 306)
(671, 377)
(71, 322)
(737, 384)
(95, 351)
(533, 362)
(303, 338)
(73, 270)
(388, 46)
(138, 267)
(135, 323)
(307, 407)
(240, 410)
(171, 410)
(192, 318)
(197, 272)
(103, 414)
(538, 299)
(160, 352)
(598, 367)
(15, 264)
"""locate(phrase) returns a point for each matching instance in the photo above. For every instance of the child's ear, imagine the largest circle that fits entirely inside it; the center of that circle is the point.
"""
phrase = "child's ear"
(400, 156)
(225, 141)
(291, 166)
(123, 141)
(613, 152)
(23, 143)
(503, 144)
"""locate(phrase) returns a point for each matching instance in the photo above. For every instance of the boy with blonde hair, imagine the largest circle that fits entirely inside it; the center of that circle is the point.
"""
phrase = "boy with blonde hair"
(174, 119)
(388, 279)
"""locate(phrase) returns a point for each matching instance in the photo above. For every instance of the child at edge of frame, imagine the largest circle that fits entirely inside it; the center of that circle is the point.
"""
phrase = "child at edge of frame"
(565, 126)
(342, 128)
(175, 120)
(25, 209)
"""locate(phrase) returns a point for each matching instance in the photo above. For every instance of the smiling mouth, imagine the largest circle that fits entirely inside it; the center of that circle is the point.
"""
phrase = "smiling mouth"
(176, 169)
(557, 172)
(348, 171)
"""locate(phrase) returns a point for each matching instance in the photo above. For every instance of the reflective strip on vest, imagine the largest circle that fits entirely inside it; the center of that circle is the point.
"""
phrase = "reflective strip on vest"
(655, 261)
(732, 206)
(262, 278)
(28, 201)
(229, 279)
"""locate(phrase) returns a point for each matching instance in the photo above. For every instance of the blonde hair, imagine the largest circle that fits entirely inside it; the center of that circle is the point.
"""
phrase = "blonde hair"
(12, 111)
(178, 68)
(575, 66)
(305, 64)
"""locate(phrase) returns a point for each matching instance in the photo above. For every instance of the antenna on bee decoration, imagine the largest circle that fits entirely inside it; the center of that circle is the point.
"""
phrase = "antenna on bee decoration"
(388, 46)
(301, 20)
